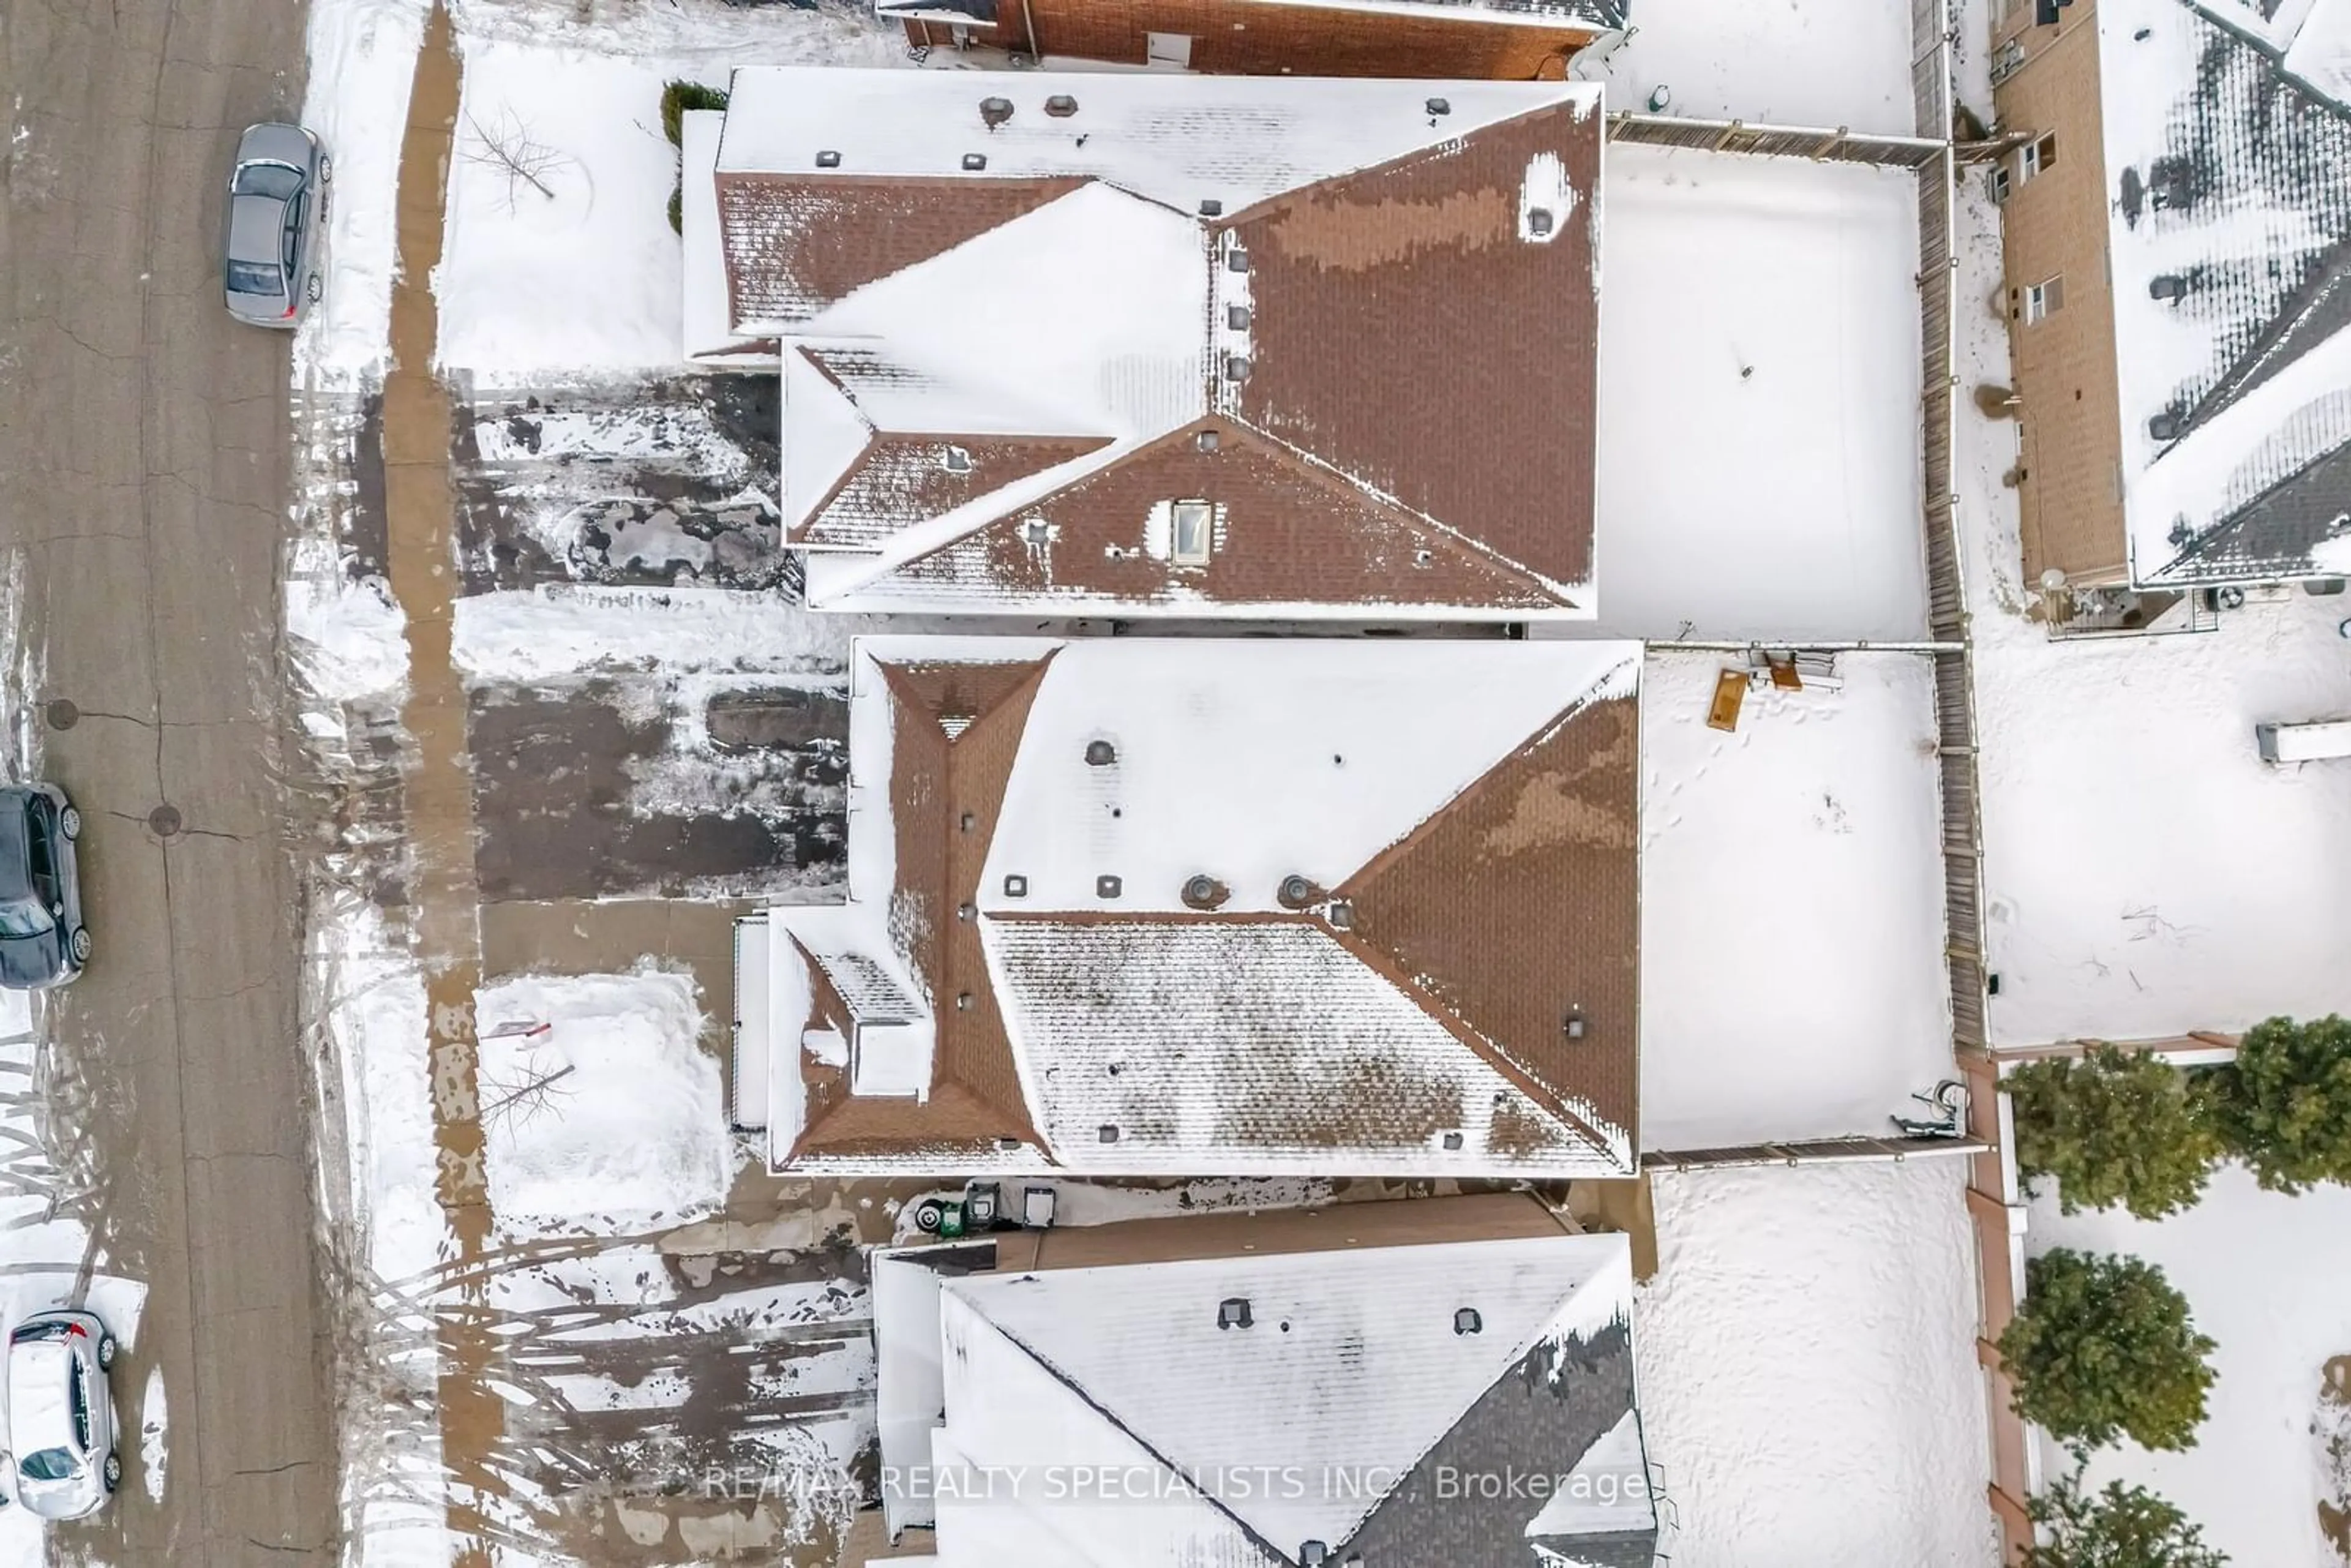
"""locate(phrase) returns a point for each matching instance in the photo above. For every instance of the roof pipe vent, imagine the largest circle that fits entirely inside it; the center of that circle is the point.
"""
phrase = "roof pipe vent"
(995, 111)
(1440, 106)
(1061, 105)
(1205, 891)
(1101, 754)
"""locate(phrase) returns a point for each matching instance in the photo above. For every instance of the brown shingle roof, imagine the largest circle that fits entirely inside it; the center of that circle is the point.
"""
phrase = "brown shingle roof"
(906, 479)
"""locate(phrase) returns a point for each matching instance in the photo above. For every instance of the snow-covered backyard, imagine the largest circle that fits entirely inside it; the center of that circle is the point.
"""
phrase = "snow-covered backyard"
(1759, 425)
(1809, 1384)
(2145, 873)
(1791, 905)
(1828, 63)
(2263, 1275)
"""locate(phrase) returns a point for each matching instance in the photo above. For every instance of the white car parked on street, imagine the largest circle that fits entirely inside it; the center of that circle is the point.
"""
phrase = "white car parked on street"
(61, 1414)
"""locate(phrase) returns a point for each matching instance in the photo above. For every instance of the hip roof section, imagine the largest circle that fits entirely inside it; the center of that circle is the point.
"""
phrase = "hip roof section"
(1364, 308)
(1232, 907)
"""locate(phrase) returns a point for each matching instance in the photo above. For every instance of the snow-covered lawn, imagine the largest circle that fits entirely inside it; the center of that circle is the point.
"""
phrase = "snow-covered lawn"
(612, 1115)
(363, 65)
(1825, 62)
(1808, 1384)
(1792, 980)
(2264, 1275)
(2146, 872)
(1759, 396)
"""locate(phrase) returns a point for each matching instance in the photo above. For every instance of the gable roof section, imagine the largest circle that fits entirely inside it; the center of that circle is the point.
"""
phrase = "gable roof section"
(1354, 1376)
(1384, 294)
(2231, 242)
(1262, 907)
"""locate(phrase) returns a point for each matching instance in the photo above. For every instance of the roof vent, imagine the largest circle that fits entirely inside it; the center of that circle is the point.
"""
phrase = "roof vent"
(1206, 441)
(973, 162)
(1236, 367)
(1211, 208)
(1538, 221)
(1233, 1312)
(964, 912)
(1205, 891)
(1297, 892)
(1237, 317)
(963, 1001)
(1036, 531)
(1101, 754)
(1452, 1140)
(968, 822)
(1574, 1025)
(2164, 426)
(1016, 886)
(1106, 1134)
(2169, 286)
(1466, 1321)
(1061, 105)
(1342, 915)
(1313, 1554)
(1236, 260)
(1439, 105)
(955, 460)
(994, 111)
(1107, 886)
(828, 158)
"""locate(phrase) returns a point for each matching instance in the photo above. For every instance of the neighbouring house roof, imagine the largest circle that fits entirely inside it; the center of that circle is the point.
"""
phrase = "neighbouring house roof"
(1287, 905)
(1362, 1378)
(2228, 129)
(1593, 16)
(1019, 317)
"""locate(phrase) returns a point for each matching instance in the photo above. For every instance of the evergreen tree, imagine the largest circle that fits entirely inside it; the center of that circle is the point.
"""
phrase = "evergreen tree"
(2284, 1105)
(2113, 1127)
(2103, 1347)
(2121, 1526)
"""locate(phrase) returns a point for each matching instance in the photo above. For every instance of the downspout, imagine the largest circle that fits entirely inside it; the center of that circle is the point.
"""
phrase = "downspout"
(1029, 24)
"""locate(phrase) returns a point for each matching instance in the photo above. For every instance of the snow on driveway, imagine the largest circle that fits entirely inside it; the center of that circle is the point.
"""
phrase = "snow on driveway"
(2263, 1275)
(1758, 397)
(609, 1118)
(1792, 915)
(1809, 1385)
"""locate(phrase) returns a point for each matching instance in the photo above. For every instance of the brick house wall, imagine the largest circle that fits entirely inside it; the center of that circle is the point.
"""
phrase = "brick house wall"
(2055, 225)
(1244, 37)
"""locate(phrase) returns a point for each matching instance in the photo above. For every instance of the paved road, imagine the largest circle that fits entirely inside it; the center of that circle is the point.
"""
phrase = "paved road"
(143, 469)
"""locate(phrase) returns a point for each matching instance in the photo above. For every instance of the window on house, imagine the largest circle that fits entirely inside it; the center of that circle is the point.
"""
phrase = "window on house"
(2038, 157)
(1998, 182)
(2045, 299)
(1195, 533)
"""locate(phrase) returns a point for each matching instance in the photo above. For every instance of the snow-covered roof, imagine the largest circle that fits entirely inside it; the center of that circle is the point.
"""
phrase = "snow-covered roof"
(1357, 1378)
(2227, 133)
(1023, 315)
(1283, 906)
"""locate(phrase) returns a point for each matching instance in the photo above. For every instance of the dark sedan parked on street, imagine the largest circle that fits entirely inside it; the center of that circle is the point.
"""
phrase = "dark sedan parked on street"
(43, 942)
(277, 211)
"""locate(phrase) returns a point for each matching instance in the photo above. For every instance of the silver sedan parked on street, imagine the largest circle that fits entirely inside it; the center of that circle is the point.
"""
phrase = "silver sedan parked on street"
(277, 212)
(61, 1414)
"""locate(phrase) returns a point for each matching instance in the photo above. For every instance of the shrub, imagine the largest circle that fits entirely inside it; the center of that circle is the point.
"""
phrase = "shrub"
(2284, 1105)
(2113, 1126)
(2121, 1526)
(2103, 1347)
(680, 96)
(677, 209)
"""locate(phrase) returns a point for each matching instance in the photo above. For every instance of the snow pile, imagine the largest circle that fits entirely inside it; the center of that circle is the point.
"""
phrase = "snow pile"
(363, 65)
(1792, 978)
(612, 1113)
(1758, 312)
(1827, 63)
(349, 635)
(520, 635)
(1808, 1376)
(2146, 872)
(154, 1422)
(2263, 1275)
(369, 997)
